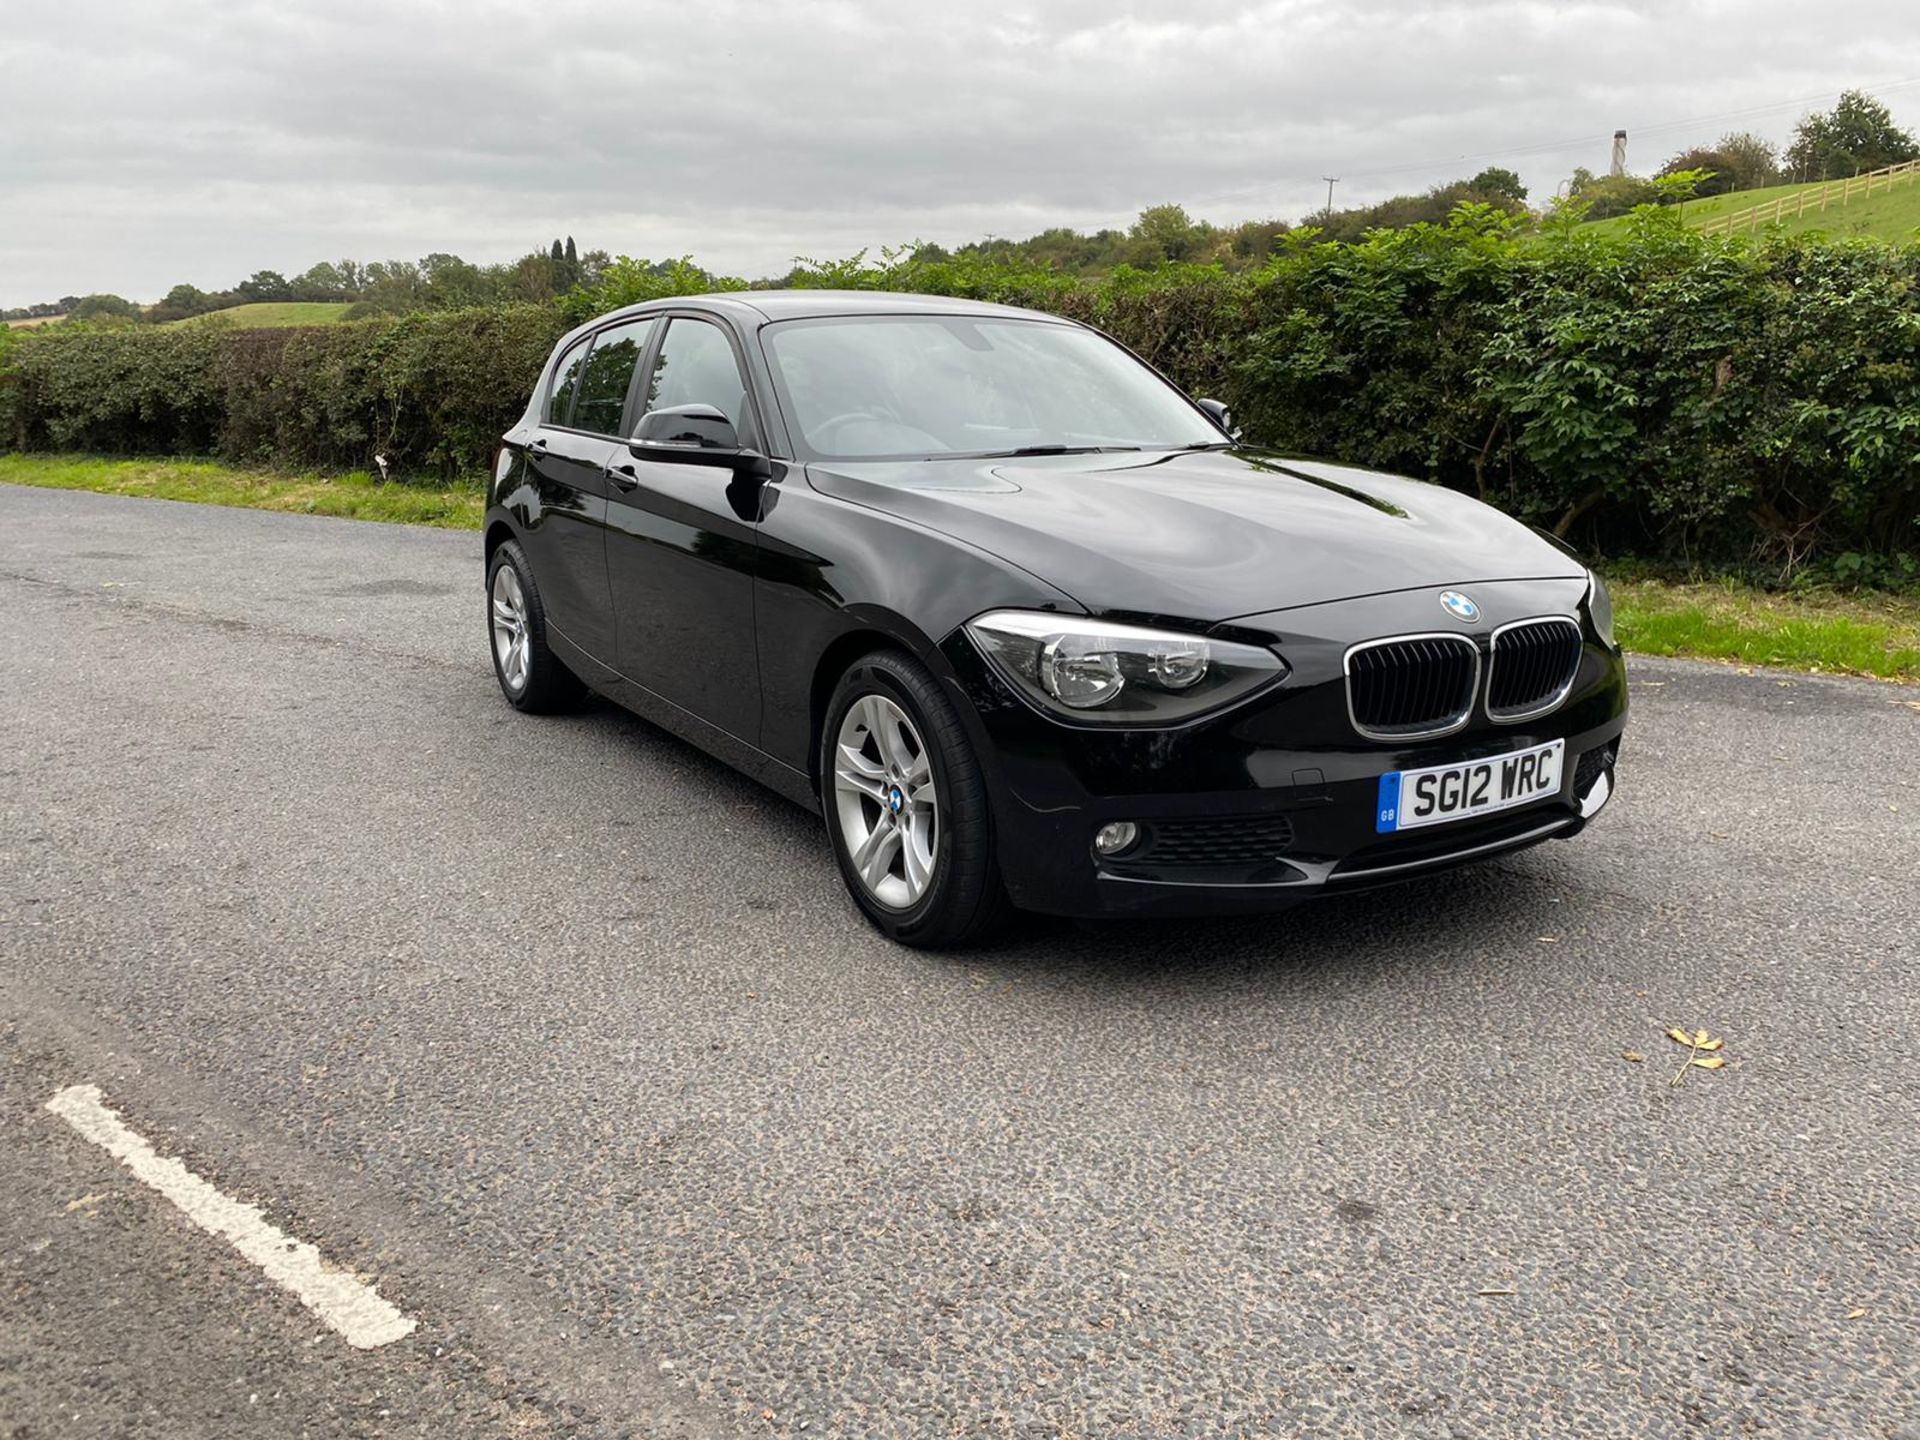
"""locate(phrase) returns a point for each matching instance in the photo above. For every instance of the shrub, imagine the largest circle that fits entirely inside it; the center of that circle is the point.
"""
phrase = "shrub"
(432, 392)
(125, 390)
(1651, 391)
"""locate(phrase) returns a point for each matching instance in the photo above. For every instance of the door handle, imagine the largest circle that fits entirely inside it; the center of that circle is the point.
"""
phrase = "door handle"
(539, 443)
(624, 476)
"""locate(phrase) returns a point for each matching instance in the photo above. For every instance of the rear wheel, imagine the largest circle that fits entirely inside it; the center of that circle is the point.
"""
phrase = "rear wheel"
(531, 676)
(906, 805)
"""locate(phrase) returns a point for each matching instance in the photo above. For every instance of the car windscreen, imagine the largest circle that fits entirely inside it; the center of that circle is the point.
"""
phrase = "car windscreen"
(875, 387)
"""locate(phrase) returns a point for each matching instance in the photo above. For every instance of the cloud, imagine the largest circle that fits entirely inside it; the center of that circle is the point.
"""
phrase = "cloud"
(150, 143)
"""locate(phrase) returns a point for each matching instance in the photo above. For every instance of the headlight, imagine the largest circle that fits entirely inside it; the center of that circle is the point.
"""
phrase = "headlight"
(1600, 607)
(1094, 673)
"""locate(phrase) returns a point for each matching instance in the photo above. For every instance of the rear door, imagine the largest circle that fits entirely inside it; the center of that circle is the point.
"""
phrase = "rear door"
(568, 457)
(681, 542)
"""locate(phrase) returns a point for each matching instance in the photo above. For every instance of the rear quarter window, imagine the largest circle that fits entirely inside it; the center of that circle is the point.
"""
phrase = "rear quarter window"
(566, 380)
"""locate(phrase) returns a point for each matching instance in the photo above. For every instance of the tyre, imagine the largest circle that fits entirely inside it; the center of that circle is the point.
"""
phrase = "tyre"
(906, 806)
(530, 675)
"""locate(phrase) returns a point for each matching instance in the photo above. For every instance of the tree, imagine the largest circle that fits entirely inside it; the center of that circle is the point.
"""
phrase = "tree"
(1254, 240)
(108, 307)
(1495, 183)
(321, 282)
(182, 302)
(1754, 162)
(1857, 135)
(1166, 232)
(453, 283)
(1719, 170)
(1611, 195)
(265, 285)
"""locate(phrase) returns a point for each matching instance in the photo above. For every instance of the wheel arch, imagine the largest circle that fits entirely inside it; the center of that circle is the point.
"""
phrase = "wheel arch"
(870, 631)
(497, 534)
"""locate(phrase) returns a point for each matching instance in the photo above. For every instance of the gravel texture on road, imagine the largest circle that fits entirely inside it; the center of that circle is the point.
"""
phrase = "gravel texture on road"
(568, 1035)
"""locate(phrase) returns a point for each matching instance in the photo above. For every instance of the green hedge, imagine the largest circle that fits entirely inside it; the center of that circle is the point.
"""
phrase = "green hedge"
(1649, 391)
(431, 392)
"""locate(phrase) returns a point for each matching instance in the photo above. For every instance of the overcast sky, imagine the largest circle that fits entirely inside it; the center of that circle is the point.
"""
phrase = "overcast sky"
(148, 142)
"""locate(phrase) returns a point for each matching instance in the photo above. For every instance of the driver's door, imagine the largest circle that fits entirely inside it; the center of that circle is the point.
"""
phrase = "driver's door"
(681, 541)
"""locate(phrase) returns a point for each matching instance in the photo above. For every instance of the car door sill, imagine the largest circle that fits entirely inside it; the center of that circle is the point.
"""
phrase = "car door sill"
(723, 745)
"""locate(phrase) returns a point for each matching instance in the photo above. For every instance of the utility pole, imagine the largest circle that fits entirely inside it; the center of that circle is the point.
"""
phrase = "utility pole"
(1332, 180)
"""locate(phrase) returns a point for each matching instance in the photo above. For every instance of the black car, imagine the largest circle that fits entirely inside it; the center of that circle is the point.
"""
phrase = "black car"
(1026, 624)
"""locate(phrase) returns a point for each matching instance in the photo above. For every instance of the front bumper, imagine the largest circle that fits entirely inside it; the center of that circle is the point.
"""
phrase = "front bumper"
(1264, 807)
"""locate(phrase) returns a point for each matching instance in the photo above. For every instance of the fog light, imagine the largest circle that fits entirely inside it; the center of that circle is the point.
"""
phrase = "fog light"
(1116, 836)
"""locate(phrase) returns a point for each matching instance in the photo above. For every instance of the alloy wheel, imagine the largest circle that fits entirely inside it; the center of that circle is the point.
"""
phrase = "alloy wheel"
(510, 635)
(885, 800)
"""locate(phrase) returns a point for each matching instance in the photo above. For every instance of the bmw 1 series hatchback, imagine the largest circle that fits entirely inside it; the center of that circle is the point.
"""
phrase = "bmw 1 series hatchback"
(1025, 624)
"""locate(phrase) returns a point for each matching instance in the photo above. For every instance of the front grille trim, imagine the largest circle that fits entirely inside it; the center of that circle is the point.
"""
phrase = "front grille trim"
(1513, 716)
(1454, 719)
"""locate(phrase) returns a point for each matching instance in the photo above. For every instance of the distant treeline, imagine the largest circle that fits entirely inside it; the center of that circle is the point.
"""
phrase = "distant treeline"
(380, 287)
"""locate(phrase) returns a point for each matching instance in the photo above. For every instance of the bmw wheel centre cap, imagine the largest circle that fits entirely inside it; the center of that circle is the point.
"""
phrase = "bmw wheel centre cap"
(1459, 606)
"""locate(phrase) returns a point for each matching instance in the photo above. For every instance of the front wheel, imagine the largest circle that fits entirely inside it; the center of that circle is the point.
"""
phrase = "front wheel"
(906, 805)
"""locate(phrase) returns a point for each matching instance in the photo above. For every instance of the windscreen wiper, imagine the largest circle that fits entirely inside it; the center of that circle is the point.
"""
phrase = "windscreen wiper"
(1069, 450)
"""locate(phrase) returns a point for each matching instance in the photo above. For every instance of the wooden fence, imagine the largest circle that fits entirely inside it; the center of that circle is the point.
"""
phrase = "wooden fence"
(1812, 197)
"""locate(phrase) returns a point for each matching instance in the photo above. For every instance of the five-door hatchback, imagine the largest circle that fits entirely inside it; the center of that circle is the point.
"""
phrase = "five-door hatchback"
(1025, 624)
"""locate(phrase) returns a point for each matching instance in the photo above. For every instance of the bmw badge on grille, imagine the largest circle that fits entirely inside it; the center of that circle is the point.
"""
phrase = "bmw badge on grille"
(1459, 606)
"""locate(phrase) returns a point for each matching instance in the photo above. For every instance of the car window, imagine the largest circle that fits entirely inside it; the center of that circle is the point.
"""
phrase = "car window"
(696, 367)
(566, 379)
(914, 385)
(609, 375)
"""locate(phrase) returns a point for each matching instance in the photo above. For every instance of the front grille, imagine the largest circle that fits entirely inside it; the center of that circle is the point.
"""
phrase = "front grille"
(1415, 686)
(1182, 844)
(1532, 667)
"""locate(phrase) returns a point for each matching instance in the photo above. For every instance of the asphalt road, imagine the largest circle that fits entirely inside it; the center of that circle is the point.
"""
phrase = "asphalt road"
(565, 1036)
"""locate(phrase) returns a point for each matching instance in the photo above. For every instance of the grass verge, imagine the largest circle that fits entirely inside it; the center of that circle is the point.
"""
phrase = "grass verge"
(1863, 634)
(355, 496)
(1856, 634)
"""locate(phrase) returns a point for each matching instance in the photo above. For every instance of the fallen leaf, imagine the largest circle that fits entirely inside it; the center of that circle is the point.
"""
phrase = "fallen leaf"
(1632, 1057)
(1700, 1038)
(1709, 1062)
(1548, 939)
(1494, 1290)
(1680, 1037)
(1855, 1314)
(1713, 1044)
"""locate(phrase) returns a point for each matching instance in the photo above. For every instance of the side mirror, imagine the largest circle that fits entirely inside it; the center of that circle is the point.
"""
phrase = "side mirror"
(695, 434)
(1221, 416)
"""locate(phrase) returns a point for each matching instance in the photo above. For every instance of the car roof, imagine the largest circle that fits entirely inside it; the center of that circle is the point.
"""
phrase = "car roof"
(769, 305)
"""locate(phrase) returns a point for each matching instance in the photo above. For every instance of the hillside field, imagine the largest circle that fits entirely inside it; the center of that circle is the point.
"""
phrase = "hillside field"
(272, 315)
(1892, 214)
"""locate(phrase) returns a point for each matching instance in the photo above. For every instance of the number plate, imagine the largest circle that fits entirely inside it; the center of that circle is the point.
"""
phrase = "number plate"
(1412, 798)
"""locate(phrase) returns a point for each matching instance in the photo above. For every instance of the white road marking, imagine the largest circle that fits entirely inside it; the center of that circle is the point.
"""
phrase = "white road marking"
(345, 1303)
